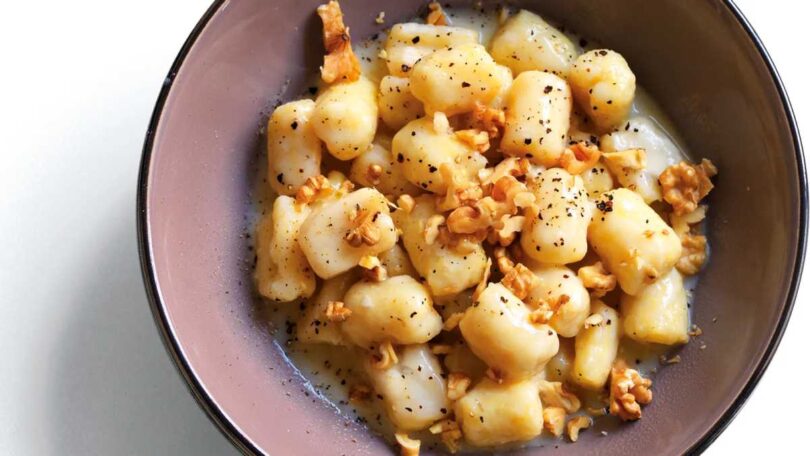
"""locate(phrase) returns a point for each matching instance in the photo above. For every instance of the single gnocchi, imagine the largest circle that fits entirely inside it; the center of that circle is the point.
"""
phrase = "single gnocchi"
(658, 313)
(538, 111)
(556, 232)
(453, 80)
(603, 86)
(633, 241)
(398, 105)
(526, 42)
(595, 348)
(338, 233)
(559, 288)
(499, 330)
(293, 148)
(397, 310)
(345, 118)
(282, 272)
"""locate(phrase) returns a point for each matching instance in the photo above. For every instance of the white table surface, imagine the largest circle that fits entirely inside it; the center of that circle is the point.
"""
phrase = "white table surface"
(82, 370)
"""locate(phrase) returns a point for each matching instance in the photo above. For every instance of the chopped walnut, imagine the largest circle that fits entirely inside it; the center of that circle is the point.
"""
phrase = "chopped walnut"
(482, 285)
(467, 220)
(601, 411)
(407, 445)
(579, 157)
(507, 227)
(684, 185)
(487, 119)
(386, 358)
(693, 254)
(514, 193)
(577, 424)
(457, 384)
(554, 395)
(695, 331)
(504, 262)
(520, 281)
(674, 360)
(450, 433)
(512, 166)
(337, 311)
(339, 63)
(363, 230)
(436, 14)
(460, 189)
(374, 173)
(628, 391)
(373, 270)
(406, 203)
(431, 231)
(542, 314)
(359, 393)
(633, 159)
(441, 124)
(314, 187)
(597, 279)
(554, 420)
(475, 139)
(682, 224)
(452, 321)
(380, 19)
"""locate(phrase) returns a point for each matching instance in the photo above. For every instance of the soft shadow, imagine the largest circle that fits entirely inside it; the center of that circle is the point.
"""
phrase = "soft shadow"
(116, 390)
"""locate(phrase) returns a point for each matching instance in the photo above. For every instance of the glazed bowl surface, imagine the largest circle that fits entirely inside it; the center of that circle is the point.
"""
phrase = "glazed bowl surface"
(698, 58)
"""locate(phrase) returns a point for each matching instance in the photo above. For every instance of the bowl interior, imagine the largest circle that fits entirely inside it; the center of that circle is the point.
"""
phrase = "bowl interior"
(694, 56)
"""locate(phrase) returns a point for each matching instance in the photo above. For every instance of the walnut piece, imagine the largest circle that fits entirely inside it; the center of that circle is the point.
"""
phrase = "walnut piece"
(406, 203)
(629, 159)
(542, 314)
(373, 270)
(507, 227)
(452, 321)
(339, 63)
(315, 187)
(475, 139)
(693, 255)
(363, 230)
(682, 224)
(503, 260)
(684, 185)
(597, 279)
(520, 281)
(450, 433)
(386, 358)
(485, 118)
(628, 391)
(380, 19)
(512, 166)
(554, 420)
(460, 189)
(457, 384)
(468, 220)
(579, 157)
(407, 445)
(577, 424)
(436, 14)
(431, 231)
(337, 311)
(554, 395)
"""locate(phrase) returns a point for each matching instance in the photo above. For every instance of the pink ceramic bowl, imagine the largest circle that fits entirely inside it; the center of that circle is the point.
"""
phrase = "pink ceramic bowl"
(699, 58)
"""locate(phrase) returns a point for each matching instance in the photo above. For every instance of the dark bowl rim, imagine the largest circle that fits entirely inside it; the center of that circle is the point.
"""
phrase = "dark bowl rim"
(244, 444)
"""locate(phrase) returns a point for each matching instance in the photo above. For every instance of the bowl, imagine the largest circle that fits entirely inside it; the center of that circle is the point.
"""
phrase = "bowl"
(699, 58)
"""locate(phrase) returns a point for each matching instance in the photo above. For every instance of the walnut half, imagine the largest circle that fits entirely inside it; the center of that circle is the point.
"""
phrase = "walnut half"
(684, 185)
(339, 63)
(628, 391)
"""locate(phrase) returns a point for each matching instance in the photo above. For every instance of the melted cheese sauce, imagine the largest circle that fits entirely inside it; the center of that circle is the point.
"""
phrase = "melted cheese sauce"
(331, 371)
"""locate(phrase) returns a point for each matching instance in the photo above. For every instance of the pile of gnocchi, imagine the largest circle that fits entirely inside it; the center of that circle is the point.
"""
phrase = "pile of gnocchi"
(485, 226)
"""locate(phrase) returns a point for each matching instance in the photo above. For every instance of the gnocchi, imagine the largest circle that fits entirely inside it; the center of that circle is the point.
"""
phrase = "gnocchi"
(528, 43)
(603, 86)
(293, 148)
(410, 42)
(595, 348)
(327, 236)
(538, 110)
(398, 106)
(282, 272)
(345, 118)
(658, 313)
